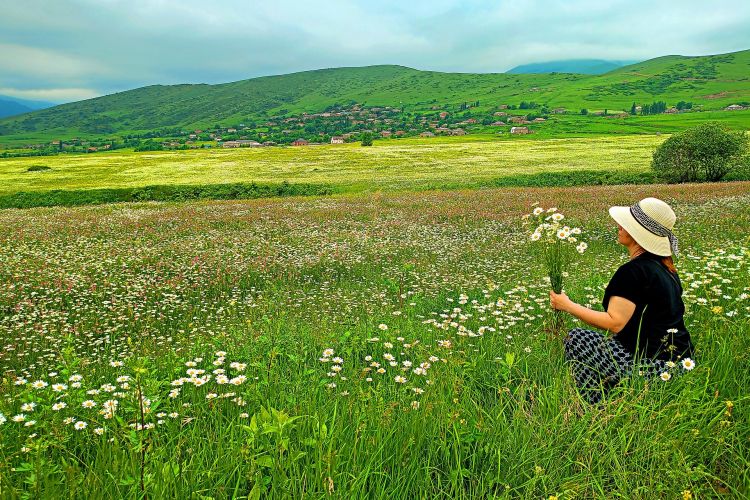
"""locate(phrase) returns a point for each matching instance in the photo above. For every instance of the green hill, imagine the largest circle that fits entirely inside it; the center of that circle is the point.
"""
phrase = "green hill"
(712, 82)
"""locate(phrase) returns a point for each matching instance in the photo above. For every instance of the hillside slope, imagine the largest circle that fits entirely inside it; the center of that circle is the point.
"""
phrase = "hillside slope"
(711, 81)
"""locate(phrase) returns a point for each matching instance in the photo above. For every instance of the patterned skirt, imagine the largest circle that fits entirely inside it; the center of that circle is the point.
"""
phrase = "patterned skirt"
(600, 362)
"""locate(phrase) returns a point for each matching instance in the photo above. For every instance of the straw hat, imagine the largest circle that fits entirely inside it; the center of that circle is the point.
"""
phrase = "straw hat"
(650, 223)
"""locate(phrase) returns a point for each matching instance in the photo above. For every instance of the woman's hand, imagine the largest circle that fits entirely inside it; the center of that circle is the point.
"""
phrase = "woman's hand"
(559, 301)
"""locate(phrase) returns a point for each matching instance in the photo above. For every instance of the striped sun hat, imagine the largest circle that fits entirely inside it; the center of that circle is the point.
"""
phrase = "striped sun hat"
(650, 223)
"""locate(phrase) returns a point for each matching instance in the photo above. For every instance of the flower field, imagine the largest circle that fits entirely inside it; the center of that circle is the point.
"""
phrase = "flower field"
(356, 346)
(388, 165)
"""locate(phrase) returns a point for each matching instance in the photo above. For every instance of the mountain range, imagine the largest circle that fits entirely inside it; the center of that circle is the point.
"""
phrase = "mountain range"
(11, 106)
(711, 82)
(581, 66)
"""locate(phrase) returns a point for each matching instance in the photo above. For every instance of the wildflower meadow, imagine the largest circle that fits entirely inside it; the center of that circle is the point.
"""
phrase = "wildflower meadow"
(358, 346)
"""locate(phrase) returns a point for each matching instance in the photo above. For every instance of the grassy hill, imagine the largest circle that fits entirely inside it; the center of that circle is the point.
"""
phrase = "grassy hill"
(710, 81)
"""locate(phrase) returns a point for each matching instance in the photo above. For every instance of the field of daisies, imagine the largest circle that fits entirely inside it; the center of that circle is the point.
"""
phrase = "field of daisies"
(362, 346)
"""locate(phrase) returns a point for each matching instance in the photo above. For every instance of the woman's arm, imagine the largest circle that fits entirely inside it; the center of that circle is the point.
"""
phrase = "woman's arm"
(618, 312)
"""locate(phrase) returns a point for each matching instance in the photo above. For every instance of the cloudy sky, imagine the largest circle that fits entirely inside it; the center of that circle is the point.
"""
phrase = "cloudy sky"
(64, 50)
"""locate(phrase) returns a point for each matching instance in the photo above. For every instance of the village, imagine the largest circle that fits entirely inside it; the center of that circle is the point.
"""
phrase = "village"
(340, 124)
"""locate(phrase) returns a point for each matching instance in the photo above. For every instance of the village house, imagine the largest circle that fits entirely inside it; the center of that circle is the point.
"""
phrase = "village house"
(520, 130)
(500, 113)
(300, 142)
(443, 114)
(672, 111)
(734, 107)
(427, 134)
(385, 133)
(458, 131)
(559, 111)
(337, 139)
(517, 119)
(498, 124)
(231, 130)
(539, 120)
(503, 106)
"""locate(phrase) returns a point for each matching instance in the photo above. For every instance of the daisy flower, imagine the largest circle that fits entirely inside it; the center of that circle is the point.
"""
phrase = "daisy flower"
(688, 364)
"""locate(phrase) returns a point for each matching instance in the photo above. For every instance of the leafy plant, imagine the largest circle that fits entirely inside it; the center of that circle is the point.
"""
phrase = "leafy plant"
(707, 152)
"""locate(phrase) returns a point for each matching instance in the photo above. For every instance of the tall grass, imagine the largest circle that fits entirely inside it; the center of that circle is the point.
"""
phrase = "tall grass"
(143, 291)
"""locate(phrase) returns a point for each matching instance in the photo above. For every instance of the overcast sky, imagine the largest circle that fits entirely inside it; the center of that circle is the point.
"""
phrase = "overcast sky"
(64, 50)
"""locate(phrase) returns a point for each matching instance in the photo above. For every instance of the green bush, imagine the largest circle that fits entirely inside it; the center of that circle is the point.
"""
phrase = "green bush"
(707, 152)
(367, 139)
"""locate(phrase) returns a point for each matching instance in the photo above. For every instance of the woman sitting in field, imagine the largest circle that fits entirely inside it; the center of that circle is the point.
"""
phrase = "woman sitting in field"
(643, 304)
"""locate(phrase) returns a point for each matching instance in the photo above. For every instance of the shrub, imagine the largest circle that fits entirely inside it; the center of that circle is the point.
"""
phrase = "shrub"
(367, 139)
(707, 152)
(38, 168)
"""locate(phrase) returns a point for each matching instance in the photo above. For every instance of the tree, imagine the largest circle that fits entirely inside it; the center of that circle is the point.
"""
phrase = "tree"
(367, 139)
(584, 111)
(654, 108)
(633, 109)
(707, 152)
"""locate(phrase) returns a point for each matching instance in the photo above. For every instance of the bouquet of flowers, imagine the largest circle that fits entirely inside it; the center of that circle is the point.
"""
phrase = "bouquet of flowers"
(556, 242)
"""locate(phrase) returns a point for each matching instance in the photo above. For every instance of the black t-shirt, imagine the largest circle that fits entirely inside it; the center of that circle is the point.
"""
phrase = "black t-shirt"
(659, 310)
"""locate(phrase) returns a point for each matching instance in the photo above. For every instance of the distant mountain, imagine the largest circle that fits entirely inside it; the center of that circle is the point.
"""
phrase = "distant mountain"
(581, 66)
(711, 82)
(28, 102)
(12, 108)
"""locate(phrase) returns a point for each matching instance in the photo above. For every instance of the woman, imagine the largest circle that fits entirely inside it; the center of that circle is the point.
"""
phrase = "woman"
(643, 304)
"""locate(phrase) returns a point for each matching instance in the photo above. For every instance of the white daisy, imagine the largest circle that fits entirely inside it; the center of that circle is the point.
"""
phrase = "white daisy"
(688, 364)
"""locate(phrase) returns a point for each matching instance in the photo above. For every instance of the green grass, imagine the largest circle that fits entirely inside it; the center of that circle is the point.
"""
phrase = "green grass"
(164, 288)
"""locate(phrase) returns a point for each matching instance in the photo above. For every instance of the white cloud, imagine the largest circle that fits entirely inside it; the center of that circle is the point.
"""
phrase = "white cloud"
(50, 94)
(46, 62)
(112, 45)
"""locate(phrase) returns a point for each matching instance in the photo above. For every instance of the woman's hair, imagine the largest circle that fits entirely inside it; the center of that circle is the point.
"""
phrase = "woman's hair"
(669, 263)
